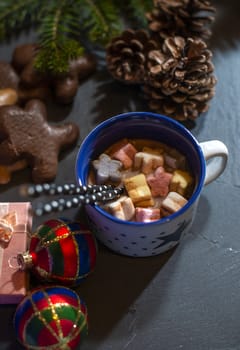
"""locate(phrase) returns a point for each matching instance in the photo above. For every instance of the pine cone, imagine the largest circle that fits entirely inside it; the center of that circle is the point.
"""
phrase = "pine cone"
(126, 56)
(186, 18)
(180, 79)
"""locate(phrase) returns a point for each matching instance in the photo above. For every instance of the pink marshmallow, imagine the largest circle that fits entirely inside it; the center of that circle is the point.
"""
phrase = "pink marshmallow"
(126, 155)
(159, 182)
(147, 214)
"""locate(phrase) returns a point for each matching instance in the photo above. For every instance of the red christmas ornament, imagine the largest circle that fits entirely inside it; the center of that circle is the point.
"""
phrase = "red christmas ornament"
(51, 318)
(61, 251)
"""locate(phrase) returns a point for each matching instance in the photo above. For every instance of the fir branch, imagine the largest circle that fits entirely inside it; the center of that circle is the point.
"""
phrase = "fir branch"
(56, 37)
(18, 14)
(55, 58)
(137, 10)
(61, 23)
(100, 19)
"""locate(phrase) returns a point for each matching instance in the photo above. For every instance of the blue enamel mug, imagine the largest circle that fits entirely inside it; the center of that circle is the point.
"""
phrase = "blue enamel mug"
(207, 161)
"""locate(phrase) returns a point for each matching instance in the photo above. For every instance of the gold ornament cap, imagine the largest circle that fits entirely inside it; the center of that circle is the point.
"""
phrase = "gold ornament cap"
(24, 260)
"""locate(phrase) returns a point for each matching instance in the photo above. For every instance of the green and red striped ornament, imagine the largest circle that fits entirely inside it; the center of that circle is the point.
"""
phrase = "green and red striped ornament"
(51, 318)
(60, 251)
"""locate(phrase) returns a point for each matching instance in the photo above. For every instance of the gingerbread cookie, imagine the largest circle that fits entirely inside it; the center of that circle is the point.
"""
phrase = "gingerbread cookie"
(23, 63)
(8, 76)
(13, 92)
(65, 86)
(6, 171)
(23, 54)
(26, 134)
(8, 97)
(8, 84)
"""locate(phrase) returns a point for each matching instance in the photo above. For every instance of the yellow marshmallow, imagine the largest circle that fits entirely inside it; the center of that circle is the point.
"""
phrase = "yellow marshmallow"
(138, 189)
(180, 182)
(156, 151)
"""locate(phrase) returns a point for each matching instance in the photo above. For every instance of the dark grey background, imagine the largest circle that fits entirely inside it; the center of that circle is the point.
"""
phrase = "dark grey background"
(186, 299)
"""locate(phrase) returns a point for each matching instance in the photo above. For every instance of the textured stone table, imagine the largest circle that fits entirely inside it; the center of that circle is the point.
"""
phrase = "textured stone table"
(189, 298)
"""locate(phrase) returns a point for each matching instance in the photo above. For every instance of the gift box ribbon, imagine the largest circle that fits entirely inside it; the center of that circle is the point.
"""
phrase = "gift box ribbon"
(8, 224)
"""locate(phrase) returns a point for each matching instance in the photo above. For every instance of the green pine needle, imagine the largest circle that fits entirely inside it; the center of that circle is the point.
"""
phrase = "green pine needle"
(55, 58)
(137, 10)
(17, 14)
(57, 38)
(62, 23)
(100, 20)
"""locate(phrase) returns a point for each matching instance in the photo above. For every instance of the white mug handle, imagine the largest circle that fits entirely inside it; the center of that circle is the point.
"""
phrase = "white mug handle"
(216, 155)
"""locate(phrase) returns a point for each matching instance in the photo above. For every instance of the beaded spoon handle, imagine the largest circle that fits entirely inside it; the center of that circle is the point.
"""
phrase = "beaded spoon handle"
(90, 194)
(66, 189)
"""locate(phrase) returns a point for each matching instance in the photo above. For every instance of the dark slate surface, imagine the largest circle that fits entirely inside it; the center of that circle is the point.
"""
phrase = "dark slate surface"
(186, 299)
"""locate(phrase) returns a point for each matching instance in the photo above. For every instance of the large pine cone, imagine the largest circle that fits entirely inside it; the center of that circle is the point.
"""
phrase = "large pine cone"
(126, 55)
(186, 18)
(180, 79)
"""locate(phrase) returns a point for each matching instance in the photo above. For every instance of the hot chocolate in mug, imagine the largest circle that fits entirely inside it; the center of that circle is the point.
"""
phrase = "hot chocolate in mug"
(207, 160)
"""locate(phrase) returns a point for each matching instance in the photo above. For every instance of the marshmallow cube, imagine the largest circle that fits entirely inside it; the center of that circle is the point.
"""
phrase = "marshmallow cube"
(147, 214)
(126, 155)
(122, 208)
(173, 202)
(180, 182)
(107, 169)
(156, 151)
(175, 160)
(159, 182)
(138, 190)
(147, 162)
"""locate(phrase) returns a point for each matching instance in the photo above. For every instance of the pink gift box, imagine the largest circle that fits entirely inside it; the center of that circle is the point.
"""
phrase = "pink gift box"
(13, 281)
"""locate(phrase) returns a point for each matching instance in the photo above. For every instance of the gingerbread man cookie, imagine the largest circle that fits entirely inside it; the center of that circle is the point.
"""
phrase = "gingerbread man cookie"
(8, 76)
(26, 134)
(64, 87)
(8, 84)
(13, 92)
(6, 171)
